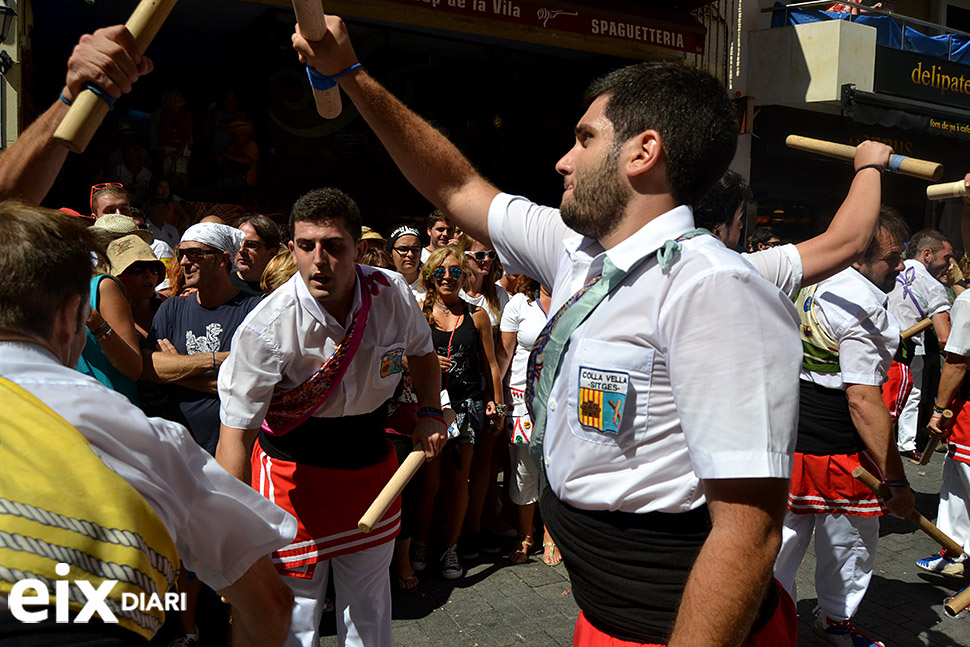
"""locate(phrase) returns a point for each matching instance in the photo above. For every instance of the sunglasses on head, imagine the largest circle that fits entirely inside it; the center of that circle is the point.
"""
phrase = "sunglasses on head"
(404, 249)
(140, 267)
(99, 187)
(453, 272)
(195, 254)
(482, 255)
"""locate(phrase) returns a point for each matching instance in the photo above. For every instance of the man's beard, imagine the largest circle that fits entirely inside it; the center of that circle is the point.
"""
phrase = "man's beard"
(598, 201)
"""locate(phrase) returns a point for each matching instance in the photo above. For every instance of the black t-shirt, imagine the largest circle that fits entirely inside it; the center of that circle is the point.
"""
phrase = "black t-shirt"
(194, 329)
(248, 287)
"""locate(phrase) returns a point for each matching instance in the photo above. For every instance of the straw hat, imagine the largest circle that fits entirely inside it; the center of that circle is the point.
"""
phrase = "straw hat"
(369, 234)
(130, 249)
(117, 224)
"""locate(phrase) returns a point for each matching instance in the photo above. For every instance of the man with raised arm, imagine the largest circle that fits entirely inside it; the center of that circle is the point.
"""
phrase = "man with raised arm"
(110, 59)
(667, 472)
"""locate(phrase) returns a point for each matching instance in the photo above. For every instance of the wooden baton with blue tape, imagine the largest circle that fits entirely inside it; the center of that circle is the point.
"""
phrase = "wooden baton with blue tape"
(900, 164)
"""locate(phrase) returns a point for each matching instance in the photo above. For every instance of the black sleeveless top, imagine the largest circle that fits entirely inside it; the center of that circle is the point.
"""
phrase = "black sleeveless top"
(464, 380)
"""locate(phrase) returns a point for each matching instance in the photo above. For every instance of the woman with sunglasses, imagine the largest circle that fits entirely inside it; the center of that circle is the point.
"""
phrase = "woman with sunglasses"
(134, 264)
(480, 288)
(462, 337)
(111, 354)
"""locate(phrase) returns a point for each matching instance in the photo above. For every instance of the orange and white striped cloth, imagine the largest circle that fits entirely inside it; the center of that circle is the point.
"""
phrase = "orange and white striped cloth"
(327, 504)
(824, 484)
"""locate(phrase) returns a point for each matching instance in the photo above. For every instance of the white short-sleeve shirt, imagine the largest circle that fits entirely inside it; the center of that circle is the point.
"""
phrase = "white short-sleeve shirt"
(289, 335)
(526, 319)
(705, 359)
(958, 342)
(852, 310)
(923, 289)
(781, 265)
(220, 525)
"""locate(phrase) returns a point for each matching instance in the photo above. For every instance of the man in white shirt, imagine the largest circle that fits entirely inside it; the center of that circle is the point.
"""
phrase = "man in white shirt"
(645, 436)
(918, 294)
(793, 265)
(849, 340)
(311, 371)
(221, 530)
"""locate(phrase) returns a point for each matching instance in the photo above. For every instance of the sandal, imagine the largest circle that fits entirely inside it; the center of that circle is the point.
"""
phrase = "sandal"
(407, 582)
(521, 553)
(550, 554)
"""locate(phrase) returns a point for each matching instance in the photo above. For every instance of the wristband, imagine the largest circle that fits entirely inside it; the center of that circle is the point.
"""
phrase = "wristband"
(938, 409)
(878, 167)
(101, 94)
(101, 330)
(107, 333)
(896, 483)
(431, 412)
(319, 81)
(65, 99)
(213, 361)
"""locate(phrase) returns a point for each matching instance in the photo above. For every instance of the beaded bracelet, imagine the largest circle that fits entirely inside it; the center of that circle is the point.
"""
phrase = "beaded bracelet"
(107, 333)
(501, 410)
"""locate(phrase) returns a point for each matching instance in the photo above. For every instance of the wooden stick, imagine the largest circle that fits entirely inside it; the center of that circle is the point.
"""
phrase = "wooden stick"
(392, 490)
(945, 418)
(916, 328)
(898, 163)
(914, 517)
(946, 190)
(313, 26)
(88, 110)
(955, 605)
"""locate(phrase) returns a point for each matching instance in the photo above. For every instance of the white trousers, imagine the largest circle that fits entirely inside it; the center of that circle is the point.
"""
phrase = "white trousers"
(363, 600)
(909, 416)
(953, 516)
(845, 552)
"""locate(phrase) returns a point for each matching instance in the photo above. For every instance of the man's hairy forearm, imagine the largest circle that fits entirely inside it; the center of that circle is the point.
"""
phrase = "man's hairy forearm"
(29, 167)
(170, 368)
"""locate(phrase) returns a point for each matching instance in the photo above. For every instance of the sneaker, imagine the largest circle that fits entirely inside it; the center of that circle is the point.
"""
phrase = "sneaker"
(450, 566)
(940, 563)
(419, 555)
(842, 634)
(185, 640)
(468, 547)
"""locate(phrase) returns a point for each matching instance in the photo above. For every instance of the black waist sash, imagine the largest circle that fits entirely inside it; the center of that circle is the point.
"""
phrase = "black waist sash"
(346, 443)
(824, 422)
(628, 571)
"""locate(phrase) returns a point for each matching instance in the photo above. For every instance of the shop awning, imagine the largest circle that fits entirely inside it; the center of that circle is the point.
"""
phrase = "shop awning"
(872, 108)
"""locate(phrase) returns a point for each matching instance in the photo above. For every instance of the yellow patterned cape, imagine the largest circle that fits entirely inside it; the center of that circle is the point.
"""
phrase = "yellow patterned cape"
(59, 503)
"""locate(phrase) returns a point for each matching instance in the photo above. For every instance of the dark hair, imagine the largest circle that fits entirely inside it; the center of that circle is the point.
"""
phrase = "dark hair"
(687, 106)
(377, 258)
(893, 223)
(528, 286)
(265, 228)
(46, 260)
(320, 205)
(434, 217)
(762, 235)
(719, 205)
(932, 239)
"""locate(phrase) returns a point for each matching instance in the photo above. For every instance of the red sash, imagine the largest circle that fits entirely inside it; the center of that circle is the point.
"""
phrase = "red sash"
(290, 409)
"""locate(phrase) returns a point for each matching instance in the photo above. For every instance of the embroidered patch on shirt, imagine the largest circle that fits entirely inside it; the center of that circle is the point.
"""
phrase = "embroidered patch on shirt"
(602, 395)
(391, 362)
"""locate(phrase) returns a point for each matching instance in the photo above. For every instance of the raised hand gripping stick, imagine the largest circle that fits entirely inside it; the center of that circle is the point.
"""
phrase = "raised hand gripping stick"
(901, 164)
(89, 109)
(313, 26)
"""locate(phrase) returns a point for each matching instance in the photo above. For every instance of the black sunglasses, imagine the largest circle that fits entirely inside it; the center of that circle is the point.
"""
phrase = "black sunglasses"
(195, 255)
(482, 255)
(404, 249)
(140, 267)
